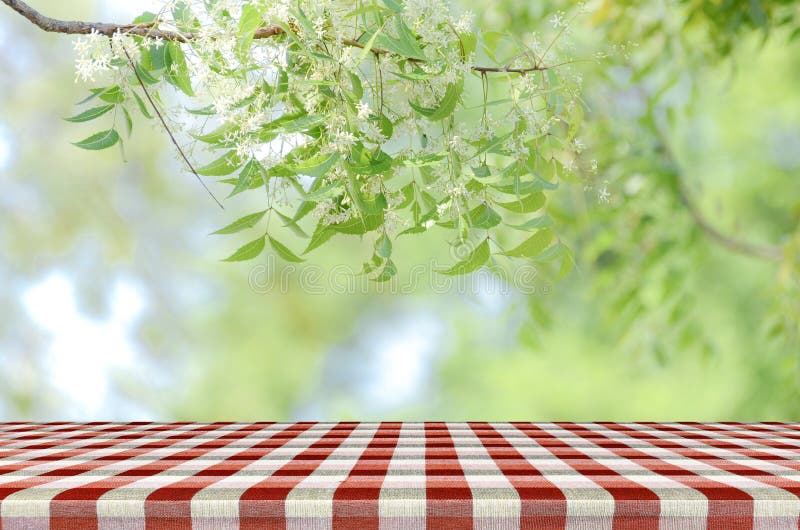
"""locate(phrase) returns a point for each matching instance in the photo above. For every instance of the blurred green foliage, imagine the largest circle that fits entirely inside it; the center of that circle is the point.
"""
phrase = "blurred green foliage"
(657, 322)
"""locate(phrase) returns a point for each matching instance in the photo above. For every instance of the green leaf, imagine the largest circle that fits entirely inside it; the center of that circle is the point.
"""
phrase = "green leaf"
(224, 165)
(90, 114)
(492, 145)
(142, 107)
(363, 162)
(386, 126)
(322, 234)
(757, 13)
(248, 221)
(472, 262)
(303, 124)
(413, 230)
(282, 83)
(147, 16)
(158, 55)
(483, 216)
(316, 167)
(324, 57)
(388, 272)
(177, 72)
(283, 251)
(370, 204)
(475, 187)
(407, 41)
(249, 251)
(574, 119)
(481, 171)
(182, 14)
(277, 124)
(205, 111)
(491, 40)
(292, 225)
(328, 191)
(305, 208)
(301, 16)
(111, 94)
(368, 46)
(233, 181)
(359, 225)
(533, 246)
(394, 5)
(145, 75)
(523, 187)
(218, 135)
(446, 107)
(128, 121)
(529, 203)
(250, 21)
(383, 246)
(534, 224)
(408, 196)
(372, 265)
(469, 42)
(567, 261)
(101, 140)
(562, 252)
(404, 45)
(251, 174)
(425, 160)
(358, 88)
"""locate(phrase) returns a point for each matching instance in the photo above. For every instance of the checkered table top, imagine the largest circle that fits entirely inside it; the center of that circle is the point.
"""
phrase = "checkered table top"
(581, 476)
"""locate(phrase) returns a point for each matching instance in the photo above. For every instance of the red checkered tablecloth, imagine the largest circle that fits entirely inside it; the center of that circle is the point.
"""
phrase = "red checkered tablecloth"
(579, 476)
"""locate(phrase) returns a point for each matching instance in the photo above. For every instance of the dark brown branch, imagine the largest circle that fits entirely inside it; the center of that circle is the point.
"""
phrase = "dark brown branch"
(765, 252)
(76, 27)
(506, 69)
(166, 128)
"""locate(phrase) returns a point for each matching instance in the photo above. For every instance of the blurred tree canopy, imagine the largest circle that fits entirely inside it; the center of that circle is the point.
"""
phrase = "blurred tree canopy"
(685, 300)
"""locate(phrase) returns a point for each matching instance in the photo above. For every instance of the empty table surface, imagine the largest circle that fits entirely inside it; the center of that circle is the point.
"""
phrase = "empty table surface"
(388, 475)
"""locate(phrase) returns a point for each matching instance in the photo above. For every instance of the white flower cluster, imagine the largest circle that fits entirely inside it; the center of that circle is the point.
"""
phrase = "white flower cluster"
(93, 56)
(387, 117)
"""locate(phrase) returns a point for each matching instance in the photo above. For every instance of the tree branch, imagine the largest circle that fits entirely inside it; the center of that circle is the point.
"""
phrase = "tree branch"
(507, 69)
(765, 252)
(77, 27)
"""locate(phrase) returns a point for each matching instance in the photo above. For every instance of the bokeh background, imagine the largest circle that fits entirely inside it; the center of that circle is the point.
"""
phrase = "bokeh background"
(114, 303)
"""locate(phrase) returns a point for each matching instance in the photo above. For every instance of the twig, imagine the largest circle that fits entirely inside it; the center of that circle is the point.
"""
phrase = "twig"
(166, 127)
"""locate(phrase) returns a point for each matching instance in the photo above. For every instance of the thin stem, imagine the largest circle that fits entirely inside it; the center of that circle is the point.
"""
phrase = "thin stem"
(166, 128)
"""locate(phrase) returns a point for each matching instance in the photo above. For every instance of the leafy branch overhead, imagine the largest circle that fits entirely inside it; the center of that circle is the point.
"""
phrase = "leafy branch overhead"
(348, 118)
